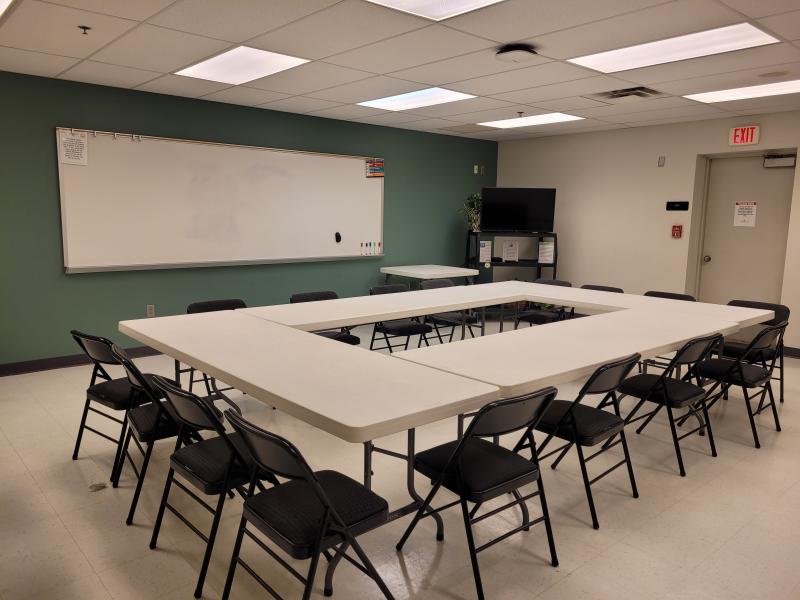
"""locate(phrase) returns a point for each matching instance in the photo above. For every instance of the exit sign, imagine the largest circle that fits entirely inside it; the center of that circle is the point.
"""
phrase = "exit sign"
(746, 135)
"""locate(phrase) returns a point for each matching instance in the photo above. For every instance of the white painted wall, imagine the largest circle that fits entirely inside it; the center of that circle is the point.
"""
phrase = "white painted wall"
(610, 206)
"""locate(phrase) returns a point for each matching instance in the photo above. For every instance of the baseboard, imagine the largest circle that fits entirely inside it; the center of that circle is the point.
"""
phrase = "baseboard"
(59, 362)
(791, 352)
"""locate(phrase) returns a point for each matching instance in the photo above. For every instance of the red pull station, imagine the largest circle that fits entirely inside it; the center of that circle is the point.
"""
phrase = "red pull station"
(677, 232)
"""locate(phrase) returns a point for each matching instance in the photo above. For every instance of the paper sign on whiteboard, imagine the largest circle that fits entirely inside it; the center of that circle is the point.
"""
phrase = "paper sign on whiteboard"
(744, 214)
(73, 147)
(485, 252)
(547, 251)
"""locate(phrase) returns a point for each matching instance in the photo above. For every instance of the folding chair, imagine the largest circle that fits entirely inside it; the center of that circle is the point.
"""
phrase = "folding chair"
(312, 514)
(750, 371)
(662, 362)
(666, 391)
(479, 471)
(463, 318)
(542, 316)
(586, 426)
(214, 466)
(340, 335)
(399, 328)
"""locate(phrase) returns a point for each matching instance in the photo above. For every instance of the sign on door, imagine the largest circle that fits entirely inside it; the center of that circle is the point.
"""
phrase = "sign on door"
(744, 214)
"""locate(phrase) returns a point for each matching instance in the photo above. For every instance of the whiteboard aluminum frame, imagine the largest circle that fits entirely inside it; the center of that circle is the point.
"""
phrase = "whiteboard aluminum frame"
(133, 137)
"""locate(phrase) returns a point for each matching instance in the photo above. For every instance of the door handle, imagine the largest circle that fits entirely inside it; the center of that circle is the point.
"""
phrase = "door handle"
(706, 259)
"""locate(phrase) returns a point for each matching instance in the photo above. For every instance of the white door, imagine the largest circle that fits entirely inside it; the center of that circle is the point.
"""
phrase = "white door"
(746, 225)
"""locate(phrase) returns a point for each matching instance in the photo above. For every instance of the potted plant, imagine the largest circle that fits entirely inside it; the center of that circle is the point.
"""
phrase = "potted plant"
(472, 211)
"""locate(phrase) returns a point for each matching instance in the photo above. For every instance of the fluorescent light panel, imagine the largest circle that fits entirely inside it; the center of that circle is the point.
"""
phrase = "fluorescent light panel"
(436, 10)
(544, 119)
(241, 65)
(418, 99)
(753, 91)
(694, 45)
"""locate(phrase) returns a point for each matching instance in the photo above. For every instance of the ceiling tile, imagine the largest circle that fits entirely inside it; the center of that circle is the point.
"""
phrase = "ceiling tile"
(461, 106)
(103, 74)
(54, 29)
(733, 79)
(683, 119)
(496, 114)
(774, 109)
(300, 104)
(244, 95)
(410, 50)
(367, 89)
(235, 20)
(125, 9)
(309, 77)
(158, 49)
(563, 104)
(342, 27)
(514, 20)
(426, 124)
(349, 111)
(761, 8)
(553, 72)
(633, 106)
(392, 118)
(774, 54)
(656, 23)
(176, 85)
(697, 110)
(33, 63)
(580, 87)
(468, 128)
(786, 102)
(468, 66)
(786, 25)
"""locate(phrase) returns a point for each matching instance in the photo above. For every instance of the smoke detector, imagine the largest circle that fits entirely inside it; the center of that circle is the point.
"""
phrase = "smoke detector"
(515, 53)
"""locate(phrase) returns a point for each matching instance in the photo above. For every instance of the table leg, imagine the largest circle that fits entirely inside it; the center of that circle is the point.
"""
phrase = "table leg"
(463, 324)
(368, 447)
(483, 321)
(502, 317)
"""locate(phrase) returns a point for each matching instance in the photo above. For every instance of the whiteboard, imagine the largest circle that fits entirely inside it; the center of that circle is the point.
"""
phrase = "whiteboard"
(154, 203)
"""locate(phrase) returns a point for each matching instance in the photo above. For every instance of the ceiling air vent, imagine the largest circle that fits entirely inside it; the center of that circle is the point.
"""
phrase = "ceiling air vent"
(627, 94)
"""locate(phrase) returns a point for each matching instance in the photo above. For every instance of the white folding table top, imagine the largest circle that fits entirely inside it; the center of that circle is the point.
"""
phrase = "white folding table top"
(530, 358)
(429, 271)
(345, 312)
(350, 392)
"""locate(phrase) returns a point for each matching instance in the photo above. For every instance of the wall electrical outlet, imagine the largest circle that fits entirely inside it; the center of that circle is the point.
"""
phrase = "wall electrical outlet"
(150, 310)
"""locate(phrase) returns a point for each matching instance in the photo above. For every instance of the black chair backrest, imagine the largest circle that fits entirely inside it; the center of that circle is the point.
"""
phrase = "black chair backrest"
(270, 452)
(510, 415)
(189, 410)
(769, 337)
(781, 311)
(313, 296)
(559, 282)
(432, 284)
(603, 288)
(135, 376)
(670, 296)
(97, 348)
(215, 305)
(389, 288)
(609, 376)
(695, 350)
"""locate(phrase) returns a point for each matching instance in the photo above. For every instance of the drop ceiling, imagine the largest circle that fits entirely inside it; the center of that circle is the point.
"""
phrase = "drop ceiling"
(361, 51)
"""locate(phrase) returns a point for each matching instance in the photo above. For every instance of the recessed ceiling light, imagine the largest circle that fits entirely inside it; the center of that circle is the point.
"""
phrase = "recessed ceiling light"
(544, 119)
(426, 97)
(694, 45)
(753, 91)
(436, 10)
(241, 65)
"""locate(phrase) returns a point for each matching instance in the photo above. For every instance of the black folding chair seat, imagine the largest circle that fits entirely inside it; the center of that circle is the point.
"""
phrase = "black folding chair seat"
(452, 318)
(205, 463)
(117, 394)
(750, 375)
(148, 423)
(403, 327)
(736, 348)
(675, 392)
(290, 514)
(341, 336)
(542, 316)
(589, 425)
(489, 470)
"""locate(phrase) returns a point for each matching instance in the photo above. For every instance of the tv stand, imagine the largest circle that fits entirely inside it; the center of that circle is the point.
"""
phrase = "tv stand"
(486, 270)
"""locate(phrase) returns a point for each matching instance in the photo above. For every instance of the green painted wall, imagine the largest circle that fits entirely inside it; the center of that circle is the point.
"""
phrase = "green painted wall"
(427, 178)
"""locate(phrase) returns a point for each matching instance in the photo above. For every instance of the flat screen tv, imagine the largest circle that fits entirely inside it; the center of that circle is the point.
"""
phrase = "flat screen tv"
(518, 209)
